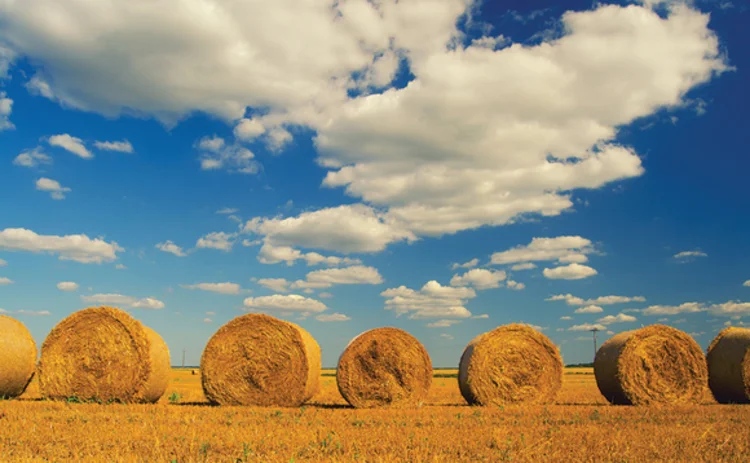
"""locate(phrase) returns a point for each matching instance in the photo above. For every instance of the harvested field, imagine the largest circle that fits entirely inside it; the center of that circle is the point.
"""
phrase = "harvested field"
(182, 427)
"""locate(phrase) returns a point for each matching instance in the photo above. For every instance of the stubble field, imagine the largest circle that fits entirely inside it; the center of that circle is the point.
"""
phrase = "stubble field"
(182, 427)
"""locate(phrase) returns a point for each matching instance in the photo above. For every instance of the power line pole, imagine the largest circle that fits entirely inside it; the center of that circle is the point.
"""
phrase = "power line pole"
(594, 330)
(183, 358)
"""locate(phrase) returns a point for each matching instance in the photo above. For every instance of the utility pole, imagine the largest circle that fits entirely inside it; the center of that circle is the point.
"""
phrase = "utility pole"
(183, 358)
(594, 330)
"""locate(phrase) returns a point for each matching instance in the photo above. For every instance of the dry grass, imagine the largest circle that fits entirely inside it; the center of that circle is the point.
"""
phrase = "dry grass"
(580, 426)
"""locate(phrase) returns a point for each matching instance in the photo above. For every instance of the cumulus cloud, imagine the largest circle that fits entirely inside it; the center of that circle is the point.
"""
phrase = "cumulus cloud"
(279, 285)
(515, 285)
(123, 146)
(558, 249)
(356, 275)
(217, 240)
(67, 286)
(32, 158)
(619, 318)
(216, 154)
(6, 107)
(443, 323)
(601, 300)
(52, 187)
(482, 316)
(747, 283)
(479, 278)
(566, 317)
(71, 144)
(207, 320)
(590, 309)
(334, 317)
(33, 313)
(587, 327)
(346, 229)
(688, 256)
(523, 266)
(569, 272)
(4, 281)
(446, 336)
(170, 247)
(287, 303)
(221, 288)
(3, 263)
(687, 307)
(431, 301)
(124, 301)
(270, 254)
(79, 248)
(470, 264)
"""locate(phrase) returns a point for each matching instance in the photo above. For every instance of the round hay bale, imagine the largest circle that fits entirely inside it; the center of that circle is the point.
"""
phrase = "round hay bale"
(510, 364)
(729, 366)
(653, 365)
(17, 357)
(103, 354)
(257, 359)
(384, 367)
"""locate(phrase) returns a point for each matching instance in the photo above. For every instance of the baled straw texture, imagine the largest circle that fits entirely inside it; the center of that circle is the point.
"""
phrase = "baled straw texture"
(729, 366)
(511, 364)
(257, 359)
(384, 367)
(653, 365)
(17, 357)
(103, 354)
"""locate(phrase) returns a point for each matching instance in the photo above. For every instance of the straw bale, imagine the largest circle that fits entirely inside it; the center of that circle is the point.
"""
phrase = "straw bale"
(17, 357)
(653, 365)
(511, 364)
(384, 367)
(103, 354)
(257, 359)
(729, 366)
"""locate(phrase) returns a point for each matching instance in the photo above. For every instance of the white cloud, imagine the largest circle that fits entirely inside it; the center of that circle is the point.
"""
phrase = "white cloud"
(544, 249)
(334, 317)
(570, 272)
(443, 323)
(482, 316)
(227, 210)
(747, 283)
(221, 288)
(207, 320)
(32, 158)
(730, 308)
(590, 309)
(687, 307)
(120, 267)
(52, 187)
(523, 266)
(325, 295)
(566, 317)
(515, 285)
(33, 313)
(79, 248)
(346, 229)
(470, 264)
(217, 240)
(6, 107)
(619, 318)
(210, 313)
(170, 247)
(67, 286)
(687, 256)
(356, 275)
(479, 278)
(216, 154)
(446, 336)
(3, 263)
(120, 300)
(432, 301)
(601, 300)
(249, 129)
(288, 303)
(119, 146)
(279, 285)
(6, 281)
(72, 144)
(587, 327)
(270, 254)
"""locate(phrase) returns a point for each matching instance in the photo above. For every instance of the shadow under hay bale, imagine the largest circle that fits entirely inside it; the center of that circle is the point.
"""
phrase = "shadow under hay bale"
(657, 364)
(17, 357)
(257, 359)
(103, 354)
(729, 366)
(510, 364)
(384, 367)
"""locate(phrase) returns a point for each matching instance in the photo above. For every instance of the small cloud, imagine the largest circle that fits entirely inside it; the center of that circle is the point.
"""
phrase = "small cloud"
(5, 281)
(747, 283)
(119, 146)
(689, 256)
(67, 286)
(515, 285)
(619, 318)
(217, 240)
(590, 309)
(470, 264)
(446, 336)
(221, 288)
(443, 323)
(170, 247)
(32, 158)
(279, 285)
(207, 320)
(566, 317)
(227, 210)
(3, 263)
(53, 187)
(587, 327)
(210, 313)
(484, 315)
(570, 272)
(334, 317)
(71, 144)
(524, 266)
(325, 295)
(120, 267)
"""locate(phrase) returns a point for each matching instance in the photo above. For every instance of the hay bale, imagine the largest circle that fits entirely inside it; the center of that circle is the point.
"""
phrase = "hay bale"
(653, 365)
(103, 354)
(17, 357)
(257, 359)
(729, 366)
(384, 367)
(510, 364)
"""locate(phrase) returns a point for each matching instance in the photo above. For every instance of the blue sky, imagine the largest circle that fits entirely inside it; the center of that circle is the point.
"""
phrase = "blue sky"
(444, 168)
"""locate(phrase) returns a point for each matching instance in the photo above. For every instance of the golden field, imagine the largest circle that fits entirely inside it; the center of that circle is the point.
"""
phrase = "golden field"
(182, 427)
